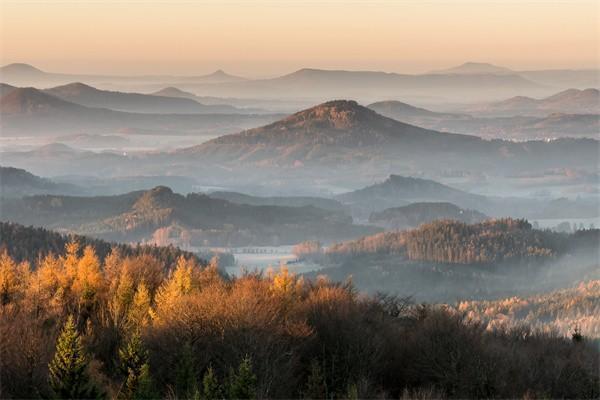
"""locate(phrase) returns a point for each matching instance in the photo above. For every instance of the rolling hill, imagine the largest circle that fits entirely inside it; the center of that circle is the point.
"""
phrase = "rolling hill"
(344, 134)
(520, 118)
(570, 101)
(399, 190)
(415, 214)
(283, 201)
(475, 68)
(89, 96)
(15, 182)
(30, 111)
(21, 74)
(161, 216)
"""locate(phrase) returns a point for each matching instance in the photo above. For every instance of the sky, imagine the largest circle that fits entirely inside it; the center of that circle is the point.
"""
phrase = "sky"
(259, 38)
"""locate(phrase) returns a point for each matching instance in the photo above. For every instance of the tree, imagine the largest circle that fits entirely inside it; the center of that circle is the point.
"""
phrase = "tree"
(134, 364)
(316, 388)
(68, 370)
(242, 383)
(185, 374)
(145, 389)
(139, 311)
(211, 390)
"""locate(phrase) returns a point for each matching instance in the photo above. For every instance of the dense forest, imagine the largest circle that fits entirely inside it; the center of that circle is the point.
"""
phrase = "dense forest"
(31, 244)
(129, 326)
(451, 241)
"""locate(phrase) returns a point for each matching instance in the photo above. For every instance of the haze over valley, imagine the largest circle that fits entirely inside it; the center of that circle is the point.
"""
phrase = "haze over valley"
(343, 200)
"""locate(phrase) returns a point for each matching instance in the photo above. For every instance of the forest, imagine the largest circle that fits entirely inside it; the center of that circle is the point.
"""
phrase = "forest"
(452, 241)
(140, 326)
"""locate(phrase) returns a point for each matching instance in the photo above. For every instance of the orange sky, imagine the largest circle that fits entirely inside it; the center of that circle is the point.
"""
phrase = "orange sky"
(260, 38)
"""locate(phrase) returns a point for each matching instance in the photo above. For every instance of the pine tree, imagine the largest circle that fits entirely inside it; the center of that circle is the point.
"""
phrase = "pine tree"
(211, 390)
(316, 388)
(242, 383)
(68, 374)
(185, 374)
(145, 388)
(133, 359)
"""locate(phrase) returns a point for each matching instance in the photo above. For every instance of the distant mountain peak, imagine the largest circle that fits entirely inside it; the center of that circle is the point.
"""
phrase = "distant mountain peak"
(20, 68)
(74, 88)
(473, 68)
(28, 100)
(336, 114)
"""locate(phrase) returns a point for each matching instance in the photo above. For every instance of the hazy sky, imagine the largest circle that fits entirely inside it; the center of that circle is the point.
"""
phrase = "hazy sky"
(260, 38)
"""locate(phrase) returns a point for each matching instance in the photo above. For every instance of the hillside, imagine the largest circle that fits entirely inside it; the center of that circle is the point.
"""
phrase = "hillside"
(161, 216)
(415, 214)
(343, 134)
(337, 131)
(475, 68)
(284, 201)
(399, 110)
(399, 190)
(269, 333)
(26, 243)
(520, 118)
(570, 101)
(449, 261)
(15, 182)
(89, 96)
(319, 84)
(562, 310)
(29, 111)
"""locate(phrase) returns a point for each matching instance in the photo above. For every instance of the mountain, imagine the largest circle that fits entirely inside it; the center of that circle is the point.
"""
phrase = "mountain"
(564, 78)
(399, 110)
(503, 120)
(476, 68)
(174, 92)
(5, 88)
(570, 101)
(288, 201)
(311, 84)
(415, 214)
(159, 215)
(345, 136)
(30, 111)
(400, 190)
(89, 96)
(15, 182)
(21, 74)
(317, 84)
(20, 71)
(219, 76)
(29, 101)
(330, 132)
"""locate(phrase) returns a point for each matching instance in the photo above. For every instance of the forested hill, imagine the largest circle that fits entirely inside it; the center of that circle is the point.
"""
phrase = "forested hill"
(24, 243)
(161, 216)
(456, 242)
(415, 214)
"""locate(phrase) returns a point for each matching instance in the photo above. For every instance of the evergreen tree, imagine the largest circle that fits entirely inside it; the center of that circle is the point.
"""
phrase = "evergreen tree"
(211, 390)
(134, 365)
(316, 388)
(145, 389)
(242, 383)
(68, 375)
(185, 374)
